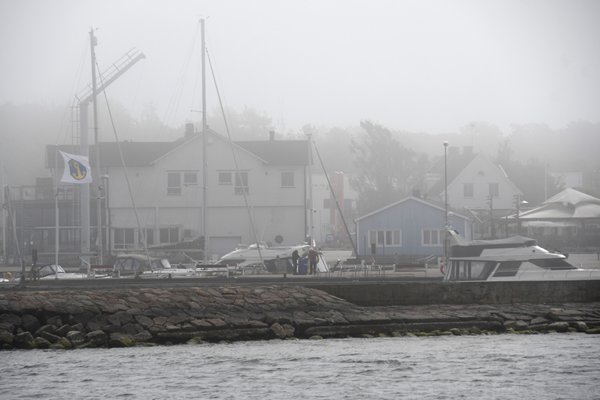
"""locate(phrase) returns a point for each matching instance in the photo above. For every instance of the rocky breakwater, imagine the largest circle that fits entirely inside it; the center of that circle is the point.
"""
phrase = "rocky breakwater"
(126, 317)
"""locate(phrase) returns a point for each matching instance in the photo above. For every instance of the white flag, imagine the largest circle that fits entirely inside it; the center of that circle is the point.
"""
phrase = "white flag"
(77, 169)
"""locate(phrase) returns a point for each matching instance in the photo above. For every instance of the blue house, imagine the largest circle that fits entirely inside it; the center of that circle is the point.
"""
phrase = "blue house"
(410, 228)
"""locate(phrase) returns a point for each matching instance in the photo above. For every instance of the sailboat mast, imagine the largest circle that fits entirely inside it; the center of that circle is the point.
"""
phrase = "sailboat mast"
(93, 43)
(204, 143)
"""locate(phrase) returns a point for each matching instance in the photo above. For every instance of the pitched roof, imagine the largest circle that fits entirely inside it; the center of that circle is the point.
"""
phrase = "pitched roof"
(568, 204)
(139, 154)
(455, 164)
(279, 152)
(429, 203)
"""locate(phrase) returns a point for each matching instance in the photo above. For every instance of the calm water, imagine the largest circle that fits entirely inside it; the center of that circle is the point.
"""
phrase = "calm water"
(554, 366)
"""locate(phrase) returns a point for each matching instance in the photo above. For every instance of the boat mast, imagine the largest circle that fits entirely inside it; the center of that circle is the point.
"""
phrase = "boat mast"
(93, 43)
(204, 143)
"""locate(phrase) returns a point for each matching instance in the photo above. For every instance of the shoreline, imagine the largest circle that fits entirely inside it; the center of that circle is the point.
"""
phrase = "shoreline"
(122, 317)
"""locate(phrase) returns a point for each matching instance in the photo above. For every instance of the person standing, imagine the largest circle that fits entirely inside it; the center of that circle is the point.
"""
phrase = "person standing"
(295, 257)
(313, 259)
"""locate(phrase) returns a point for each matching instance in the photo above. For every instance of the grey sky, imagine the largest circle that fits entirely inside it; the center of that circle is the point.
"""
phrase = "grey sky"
(431, 66)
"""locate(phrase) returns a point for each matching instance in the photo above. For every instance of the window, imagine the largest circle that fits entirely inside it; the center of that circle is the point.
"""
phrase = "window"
(241, 183)
(148, 236)
(169, 235)
(175, 179)
(468, 189)
(287, 179)
(190, 179)
(225, 178)
(494, 189)
(508, 268)
(432, 237)
(385, 238)
(174, 184)
(123, 238)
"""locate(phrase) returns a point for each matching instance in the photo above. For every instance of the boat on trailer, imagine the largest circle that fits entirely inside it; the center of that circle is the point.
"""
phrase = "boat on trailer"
(515, 258)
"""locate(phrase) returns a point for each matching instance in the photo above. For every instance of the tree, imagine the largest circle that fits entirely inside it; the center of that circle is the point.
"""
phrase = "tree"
(385, 168)
(245, 125)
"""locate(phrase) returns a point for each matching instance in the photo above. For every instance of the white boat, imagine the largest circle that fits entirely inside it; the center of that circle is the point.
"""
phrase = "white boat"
(53, 271)
(141, 266)
(259, 254)
(515, 258)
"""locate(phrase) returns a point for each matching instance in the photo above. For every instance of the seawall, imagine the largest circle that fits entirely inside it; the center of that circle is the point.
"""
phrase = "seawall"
(436, 292)
(79, 318)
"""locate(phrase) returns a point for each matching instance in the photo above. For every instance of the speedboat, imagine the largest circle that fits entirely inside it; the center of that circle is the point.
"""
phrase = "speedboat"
(515, 258)
(258, 254)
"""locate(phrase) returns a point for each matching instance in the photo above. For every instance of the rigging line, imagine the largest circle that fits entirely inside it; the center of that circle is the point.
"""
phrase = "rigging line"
(235, 160)
(175, 99)
(125, 171)
(337, 203)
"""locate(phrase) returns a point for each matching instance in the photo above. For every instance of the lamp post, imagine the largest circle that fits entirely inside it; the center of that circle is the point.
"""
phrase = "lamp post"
(445, 201)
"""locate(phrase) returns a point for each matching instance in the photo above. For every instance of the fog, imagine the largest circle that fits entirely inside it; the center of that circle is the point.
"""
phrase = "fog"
(422, 66)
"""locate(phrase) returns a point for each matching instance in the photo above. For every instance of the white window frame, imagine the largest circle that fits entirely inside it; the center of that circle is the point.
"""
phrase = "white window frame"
(436, 233)
(120, 238)
(173, 188)
(385, 238)
(171, 231)
(288, 179)
(225, 178)
(190, 178)
(241, 183)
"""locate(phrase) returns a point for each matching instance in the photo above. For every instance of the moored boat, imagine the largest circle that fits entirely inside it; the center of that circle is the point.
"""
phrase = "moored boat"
(516, 258)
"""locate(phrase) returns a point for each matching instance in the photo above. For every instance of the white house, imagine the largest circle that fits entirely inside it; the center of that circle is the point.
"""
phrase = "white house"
(474, 182)
(255, 191)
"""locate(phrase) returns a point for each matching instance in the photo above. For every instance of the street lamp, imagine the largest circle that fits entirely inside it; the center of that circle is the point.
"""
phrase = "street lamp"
(445, 201)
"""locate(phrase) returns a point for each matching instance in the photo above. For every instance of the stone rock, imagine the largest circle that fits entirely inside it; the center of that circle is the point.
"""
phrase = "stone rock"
(97, 323)
(23, 340)
(77, 327)
(75, 337)
(30, 323)
(41, 343)
(143, 336)
(45, 328)
(594, 331)
(120, 340)
(539, 321)
(144, 321)
(580, 326)
(6, 337)
(282, 331)
(124, 316)
(518, 325)
(54, 320)
(559, 326)
(49, 337)
(97, 337)
(63, 330)
(12, 319)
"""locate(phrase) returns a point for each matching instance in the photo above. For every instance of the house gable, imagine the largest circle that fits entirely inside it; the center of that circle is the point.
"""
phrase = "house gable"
(410, 218)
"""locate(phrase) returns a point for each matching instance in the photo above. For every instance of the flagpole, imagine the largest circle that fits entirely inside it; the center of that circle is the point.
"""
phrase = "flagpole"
(56, 219)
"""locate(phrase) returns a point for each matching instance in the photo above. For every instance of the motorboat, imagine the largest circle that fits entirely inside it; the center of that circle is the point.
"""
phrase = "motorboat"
(53, 271)
(259, 254)
(515, 258)
(142, 266)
